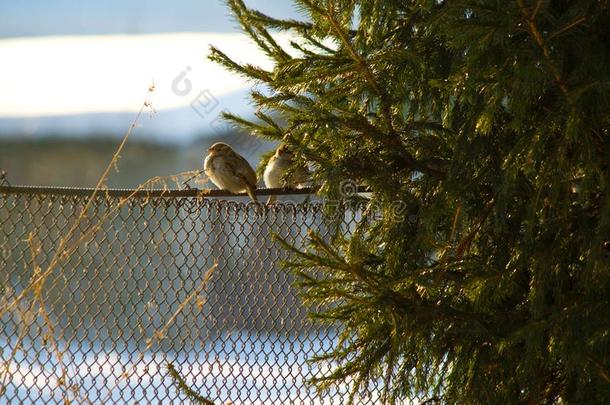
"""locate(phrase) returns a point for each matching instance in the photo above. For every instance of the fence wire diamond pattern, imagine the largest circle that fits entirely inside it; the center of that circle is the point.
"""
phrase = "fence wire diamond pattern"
(134, 295)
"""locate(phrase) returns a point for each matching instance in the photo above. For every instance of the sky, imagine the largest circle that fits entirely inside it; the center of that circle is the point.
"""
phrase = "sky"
(76, 66)
(98, 17)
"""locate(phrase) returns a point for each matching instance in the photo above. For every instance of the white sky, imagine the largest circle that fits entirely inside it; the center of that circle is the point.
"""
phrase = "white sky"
(47, 76)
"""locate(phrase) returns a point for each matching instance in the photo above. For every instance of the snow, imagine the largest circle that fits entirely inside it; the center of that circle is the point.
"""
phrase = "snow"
(248, 368)
(79, 86)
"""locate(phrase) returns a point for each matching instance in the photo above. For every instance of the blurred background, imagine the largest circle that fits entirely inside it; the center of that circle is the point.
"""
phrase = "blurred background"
(75, 73)
(73, 76)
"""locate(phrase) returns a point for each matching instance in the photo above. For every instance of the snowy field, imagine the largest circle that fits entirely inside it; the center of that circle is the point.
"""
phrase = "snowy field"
(244, 369)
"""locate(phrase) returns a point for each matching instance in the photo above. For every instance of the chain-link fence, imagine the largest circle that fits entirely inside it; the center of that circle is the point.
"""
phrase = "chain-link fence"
(150, 280)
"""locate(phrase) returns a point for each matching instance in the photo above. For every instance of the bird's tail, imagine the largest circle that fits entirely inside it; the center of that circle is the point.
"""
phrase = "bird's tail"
(251, 190)
(271, 199)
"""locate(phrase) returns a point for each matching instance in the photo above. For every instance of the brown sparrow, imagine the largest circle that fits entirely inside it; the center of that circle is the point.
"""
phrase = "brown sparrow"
(230, 171)
(277, 167)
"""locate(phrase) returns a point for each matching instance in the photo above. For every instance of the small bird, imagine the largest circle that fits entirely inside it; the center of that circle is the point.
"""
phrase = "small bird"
(278, 166)
(228, 170)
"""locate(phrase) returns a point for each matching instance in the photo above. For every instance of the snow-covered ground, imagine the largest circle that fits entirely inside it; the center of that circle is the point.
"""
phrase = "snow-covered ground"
(245, 368)
(179, 125)
(82, 69)
(79, 86)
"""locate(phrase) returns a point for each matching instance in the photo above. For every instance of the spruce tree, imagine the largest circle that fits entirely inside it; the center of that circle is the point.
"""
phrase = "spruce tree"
(480, 128)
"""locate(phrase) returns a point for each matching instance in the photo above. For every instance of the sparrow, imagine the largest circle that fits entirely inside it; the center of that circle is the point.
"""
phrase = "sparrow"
(229, 171)
(278, 166)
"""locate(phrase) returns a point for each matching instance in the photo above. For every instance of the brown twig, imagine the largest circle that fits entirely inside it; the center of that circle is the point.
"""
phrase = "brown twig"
(364, 67)
(465, 243)
(160, 334)
(602, 371)
(539, 39)
(61, 250)
(567, 27)
(536, 9)
(455, 221)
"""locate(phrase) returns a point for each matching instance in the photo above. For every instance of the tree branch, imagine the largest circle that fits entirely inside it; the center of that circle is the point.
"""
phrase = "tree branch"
(567, 27)
(539, 39)
(362, 65)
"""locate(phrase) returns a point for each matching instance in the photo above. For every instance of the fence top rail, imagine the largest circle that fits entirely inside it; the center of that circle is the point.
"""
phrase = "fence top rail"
(145, 193)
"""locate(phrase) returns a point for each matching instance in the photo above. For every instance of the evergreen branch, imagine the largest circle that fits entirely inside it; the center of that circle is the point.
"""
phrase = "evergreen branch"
(311, 54)
(536, 9)
(321, 245)
(278, 102)
(392, 141)
(269, 121)
(465, 243)
(567, 27)
(318, 44)
(283, 25)
(603, 372)
(539, 39)
(272, 132)
(426, 125)
(361, 124)
(256, 31)
(361, 63)
(391, 363)
(272, 99)
(334, 294)
(304, 71)
(312, 260)
(247, 71)
(468, 316)
(184, 387)
(365, 128)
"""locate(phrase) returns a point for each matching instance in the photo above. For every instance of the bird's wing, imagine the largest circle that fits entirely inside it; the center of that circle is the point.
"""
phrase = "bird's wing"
(244, 170)
(208, 164)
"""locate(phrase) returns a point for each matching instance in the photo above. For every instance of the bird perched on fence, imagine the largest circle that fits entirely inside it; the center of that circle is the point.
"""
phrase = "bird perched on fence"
(228, 170)
(277, 171)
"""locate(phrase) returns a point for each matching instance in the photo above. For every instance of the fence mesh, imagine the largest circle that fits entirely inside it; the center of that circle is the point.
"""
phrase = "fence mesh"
(132, 294)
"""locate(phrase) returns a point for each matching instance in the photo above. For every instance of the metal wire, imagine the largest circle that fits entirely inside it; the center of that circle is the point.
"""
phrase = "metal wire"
(145, 193)
(130, 295)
